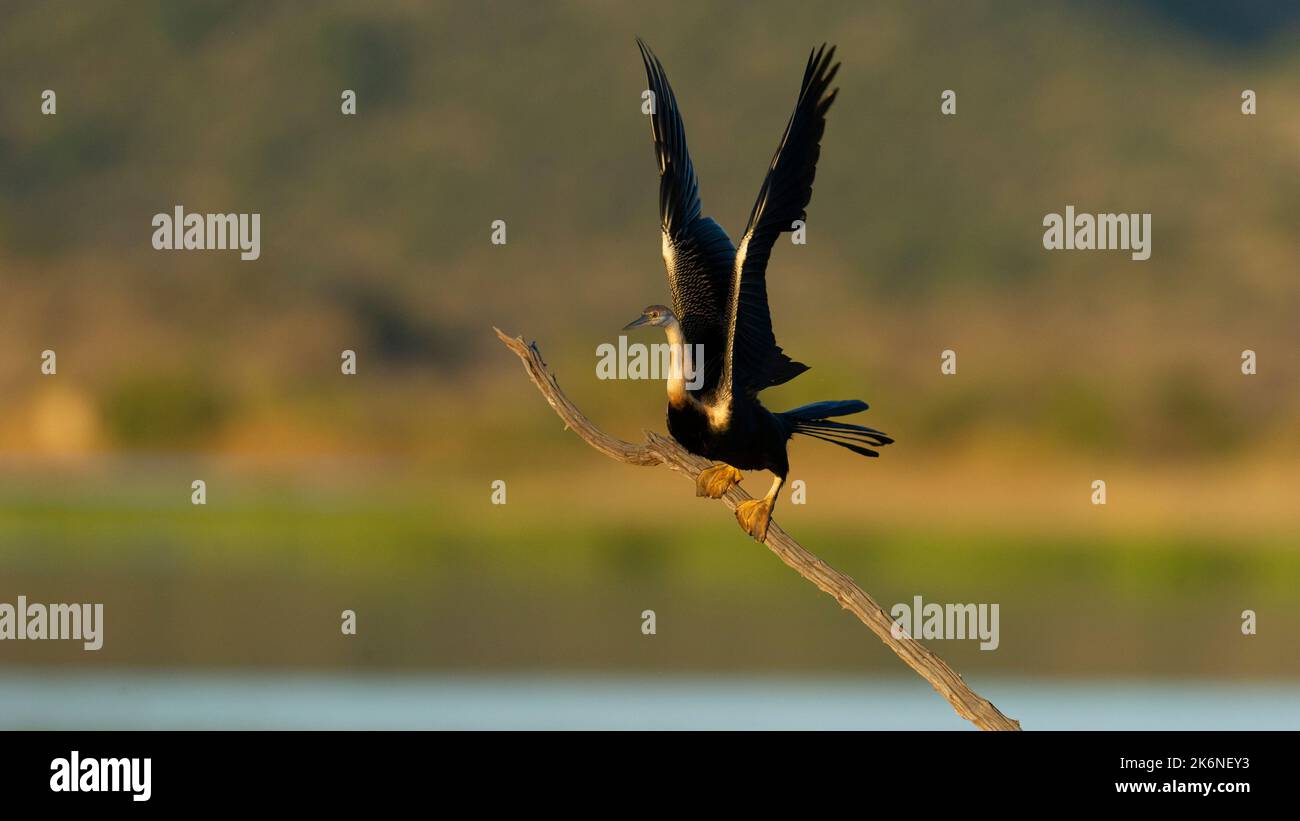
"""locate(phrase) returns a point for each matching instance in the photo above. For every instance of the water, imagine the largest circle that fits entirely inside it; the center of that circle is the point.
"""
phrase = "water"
(31, 699)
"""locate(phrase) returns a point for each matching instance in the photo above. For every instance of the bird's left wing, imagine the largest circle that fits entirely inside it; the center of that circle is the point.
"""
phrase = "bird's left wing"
(698, 254)
(753, 360)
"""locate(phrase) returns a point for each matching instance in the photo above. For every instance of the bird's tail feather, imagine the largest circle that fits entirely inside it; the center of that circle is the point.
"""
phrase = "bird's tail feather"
(814, 421)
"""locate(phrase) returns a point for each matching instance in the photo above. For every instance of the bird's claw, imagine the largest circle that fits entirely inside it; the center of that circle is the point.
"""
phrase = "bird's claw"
(754, 516)
(715, 481)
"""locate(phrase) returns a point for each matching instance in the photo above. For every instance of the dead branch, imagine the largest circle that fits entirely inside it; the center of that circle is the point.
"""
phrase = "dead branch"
(661, 450)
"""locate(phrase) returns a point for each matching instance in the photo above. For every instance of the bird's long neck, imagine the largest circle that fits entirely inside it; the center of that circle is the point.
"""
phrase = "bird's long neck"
(676, 364)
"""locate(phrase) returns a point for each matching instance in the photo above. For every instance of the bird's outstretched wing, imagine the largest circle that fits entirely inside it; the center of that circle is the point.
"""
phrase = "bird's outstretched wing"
(698, 254)
(754, 361)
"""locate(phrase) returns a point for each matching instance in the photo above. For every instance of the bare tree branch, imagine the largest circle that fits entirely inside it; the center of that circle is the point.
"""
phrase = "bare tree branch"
(661, 450)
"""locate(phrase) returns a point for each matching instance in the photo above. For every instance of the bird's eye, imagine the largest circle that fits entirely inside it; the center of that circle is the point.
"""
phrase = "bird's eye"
(654, 314)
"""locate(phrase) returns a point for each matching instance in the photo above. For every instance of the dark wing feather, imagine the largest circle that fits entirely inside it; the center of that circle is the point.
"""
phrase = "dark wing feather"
(755, 360)
(698, 254)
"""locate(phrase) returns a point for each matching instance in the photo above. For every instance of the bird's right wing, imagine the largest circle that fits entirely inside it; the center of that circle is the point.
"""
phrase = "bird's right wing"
(753, 360)
(698, 254)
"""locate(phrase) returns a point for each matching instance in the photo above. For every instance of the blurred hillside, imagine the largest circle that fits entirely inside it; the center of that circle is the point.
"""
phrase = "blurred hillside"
(925, 231)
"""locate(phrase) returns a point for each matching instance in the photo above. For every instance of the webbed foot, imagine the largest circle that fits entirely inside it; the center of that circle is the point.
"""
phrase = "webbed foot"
(715, 481)
(754, 517)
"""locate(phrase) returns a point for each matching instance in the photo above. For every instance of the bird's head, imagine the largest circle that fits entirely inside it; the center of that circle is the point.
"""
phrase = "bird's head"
(656, 316)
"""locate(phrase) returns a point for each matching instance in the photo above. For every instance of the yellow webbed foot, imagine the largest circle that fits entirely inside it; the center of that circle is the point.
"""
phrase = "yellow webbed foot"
(754, 517)
(717, 480)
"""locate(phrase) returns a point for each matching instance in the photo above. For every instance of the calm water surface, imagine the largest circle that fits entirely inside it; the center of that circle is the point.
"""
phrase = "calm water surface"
(133, 700)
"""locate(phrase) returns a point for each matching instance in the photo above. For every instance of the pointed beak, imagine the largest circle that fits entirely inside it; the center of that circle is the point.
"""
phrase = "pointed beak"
(639, 322)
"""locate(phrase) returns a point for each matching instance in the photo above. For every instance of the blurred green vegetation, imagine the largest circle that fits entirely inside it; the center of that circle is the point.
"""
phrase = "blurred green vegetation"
(924, 234)
(442, 578)
(167, 410)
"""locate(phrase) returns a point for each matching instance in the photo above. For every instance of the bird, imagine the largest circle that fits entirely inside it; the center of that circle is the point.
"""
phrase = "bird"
(720, 306)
